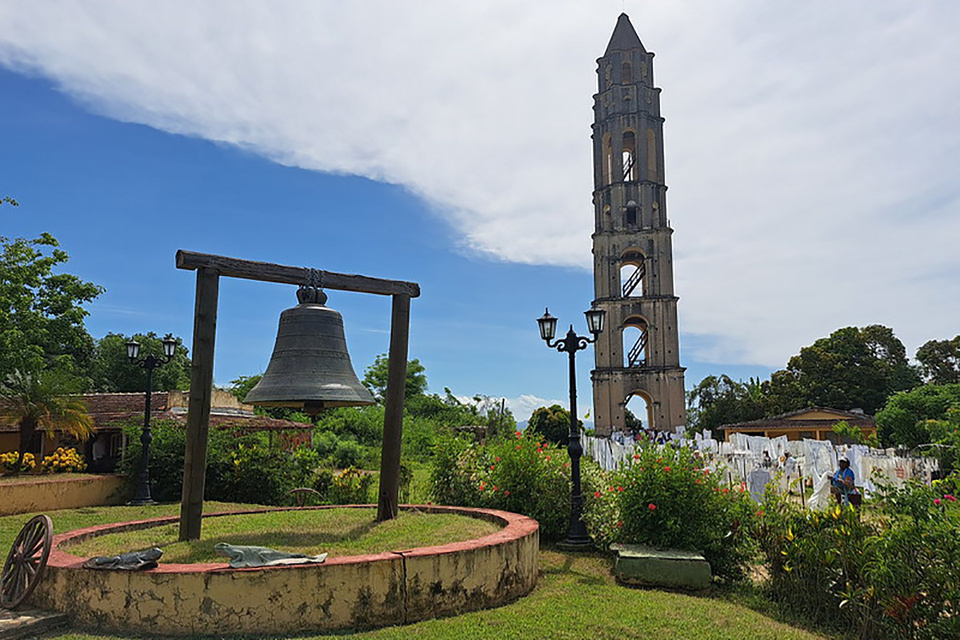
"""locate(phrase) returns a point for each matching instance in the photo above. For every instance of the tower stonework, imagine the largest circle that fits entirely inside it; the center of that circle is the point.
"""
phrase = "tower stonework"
(639, 352)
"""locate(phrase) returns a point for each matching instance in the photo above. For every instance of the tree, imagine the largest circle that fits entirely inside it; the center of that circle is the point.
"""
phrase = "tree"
(553, 423)
(940, 361)
(112, 370)
(41, 312)
(44, 400)
(720, 400)
(375, 378)
(903, 421)
(853, 368)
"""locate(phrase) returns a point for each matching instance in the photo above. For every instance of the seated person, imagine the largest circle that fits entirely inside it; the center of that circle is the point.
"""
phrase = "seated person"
(843, 484)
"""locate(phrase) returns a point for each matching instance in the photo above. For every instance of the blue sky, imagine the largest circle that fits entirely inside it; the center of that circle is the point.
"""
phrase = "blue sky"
(812, 187)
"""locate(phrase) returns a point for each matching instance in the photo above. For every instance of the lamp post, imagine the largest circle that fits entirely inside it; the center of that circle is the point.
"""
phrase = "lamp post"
(149, 363)
(577, 537)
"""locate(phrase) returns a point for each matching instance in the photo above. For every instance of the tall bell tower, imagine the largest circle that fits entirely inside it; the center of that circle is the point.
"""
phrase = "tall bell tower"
(639, 352)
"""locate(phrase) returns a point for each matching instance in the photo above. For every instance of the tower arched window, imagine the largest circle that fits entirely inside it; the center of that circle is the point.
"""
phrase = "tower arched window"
(635, 335)
(633, 273)
(629, 156)
(626, 73)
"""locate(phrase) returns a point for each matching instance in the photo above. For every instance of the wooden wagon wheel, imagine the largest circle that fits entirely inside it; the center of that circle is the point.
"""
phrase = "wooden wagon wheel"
(26, 561)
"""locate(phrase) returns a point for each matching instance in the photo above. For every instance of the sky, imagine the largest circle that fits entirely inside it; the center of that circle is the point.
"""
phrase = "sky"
(812, 156)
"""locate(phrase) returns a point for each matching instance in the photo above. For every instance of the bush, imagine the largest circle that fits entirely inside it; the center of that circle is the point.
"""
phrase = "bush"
(63, 460)
(350, 486)
(519, 474)
(890, 572)
(239, 468)
(8, 462)
(348, 454)
(665, 499)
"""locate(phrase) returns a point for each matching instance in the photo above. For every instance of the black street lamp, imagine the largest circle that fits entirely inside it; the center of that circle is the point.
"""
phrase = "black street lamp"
(149, 363)
(577, 538)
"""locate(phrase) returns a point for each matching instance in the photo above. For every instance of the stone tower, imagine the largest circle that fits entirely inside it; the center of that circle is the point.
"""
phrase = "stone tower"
(639, 351)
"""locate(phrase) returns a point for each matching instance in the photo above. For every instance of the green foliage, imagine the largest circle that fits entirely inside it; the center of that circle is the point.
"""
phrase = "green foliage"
(44, 400)
(552, 424)
(892, 573)
(940, 361)
(720, 400)
(903, 420)
(375, 378)
(521, 474)
(113, 372)
(347, 454)
(241, 469)
(41, 312)
(350, 486)
(665, 498)
(852, 368)
(852, 434)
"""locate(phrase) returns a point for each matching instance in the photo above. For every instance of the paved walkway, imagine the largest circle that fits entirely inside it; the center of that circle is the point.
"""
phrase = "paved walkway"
(24, 623)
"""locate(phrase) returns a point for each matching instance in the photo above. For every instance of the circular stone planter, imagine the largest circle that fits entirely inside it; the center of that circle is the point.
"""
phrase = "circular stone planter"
(395, 587)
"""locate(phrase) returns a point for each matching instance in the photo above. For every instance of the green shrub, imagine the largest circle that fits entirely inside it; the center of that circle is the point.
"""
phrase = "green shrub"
(890, 571)
(239, 468)
(664, 498)
(519, 474)
(348, 454)
(325, 443)
(350, 486)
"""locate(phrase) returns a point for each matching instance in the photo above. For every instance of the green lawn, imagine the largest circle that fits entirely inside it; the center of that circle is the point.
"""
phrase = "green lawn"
(337, 532)
(576, 598)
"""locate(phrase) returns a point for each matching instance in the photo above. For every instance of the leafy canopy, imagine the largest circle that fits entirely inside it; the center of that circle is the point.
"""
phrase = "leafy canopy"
(940, 361)
(112, 371)
(41, 312)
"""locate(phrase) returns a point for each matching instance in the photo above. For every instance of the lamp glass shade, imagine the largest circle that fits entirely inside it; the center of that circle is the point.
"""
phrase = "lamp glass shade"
(169, 347)
(548, 325)
(595, 320)
(133, 349)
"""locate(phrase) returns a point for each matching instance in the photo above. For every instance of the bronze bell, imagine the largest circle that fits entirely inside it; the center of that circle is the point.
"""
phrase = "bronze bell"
(310, 367)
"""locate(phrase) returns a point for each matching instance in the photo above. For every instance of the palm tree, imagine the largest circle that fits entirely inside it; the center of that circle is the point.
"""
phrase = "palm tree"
(43, 400)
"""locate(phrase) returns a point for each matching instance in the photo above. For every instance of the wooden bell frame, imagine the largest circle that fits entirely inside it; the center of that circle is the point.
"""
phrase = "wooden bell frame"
(209, 268)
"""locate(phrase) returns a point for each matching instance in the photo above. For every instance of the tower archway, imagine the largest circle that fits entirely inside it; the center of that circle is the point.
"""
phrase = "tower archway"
(638, 407)
(633, 269)
(635, 336)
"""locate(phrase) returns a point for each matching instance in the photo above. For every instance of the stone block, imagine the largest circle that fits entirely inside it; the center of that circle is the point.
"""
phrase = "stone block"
(668, 568)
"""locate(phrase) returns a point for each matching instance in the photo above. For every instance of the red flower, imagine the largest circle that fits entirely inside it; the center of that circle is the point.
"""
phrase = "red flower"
(609, 488)
(494, 487)
(518, 447)
(548, 457)
(482, 486)
(506, 492)
(698, 481)
(651, 506)
(597, 494)
(950, 497)
(666, 468)
(936, 501)
(492, 467)
(566, 464)
(726, 490)
(636, 456)
(498, 458)
(760, 513)
(619, 488)
(519, 435)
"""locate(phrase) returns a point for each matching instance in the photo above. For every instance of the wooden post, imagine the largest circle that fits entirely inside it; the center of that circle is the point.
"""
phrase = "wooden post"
(198, 412)
(389, 498)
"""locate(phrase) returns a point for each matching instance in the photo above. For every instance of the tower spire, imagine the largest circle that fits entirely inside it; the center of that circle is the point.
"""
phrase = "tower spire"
(624, 37)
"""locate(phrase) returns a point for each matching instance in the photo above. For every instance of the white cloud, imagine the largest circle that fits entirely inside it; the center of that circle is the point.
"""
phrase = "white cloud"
(812, 148)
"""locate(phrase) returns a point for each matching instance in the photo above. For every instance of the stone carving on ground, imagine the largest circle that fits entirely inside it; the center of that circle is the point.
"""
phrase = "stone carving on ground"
(130, 561)
(242, 556)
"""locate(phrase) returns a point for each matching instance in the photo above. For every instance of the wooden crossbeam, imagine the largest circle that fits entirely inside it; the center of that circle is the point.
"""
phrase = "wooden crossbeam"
(269, 272)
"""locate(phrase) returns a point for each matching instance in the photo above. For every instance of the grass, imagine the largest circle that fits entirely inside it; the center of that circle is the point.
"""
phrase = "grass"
(576, 598)
(338, 532)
